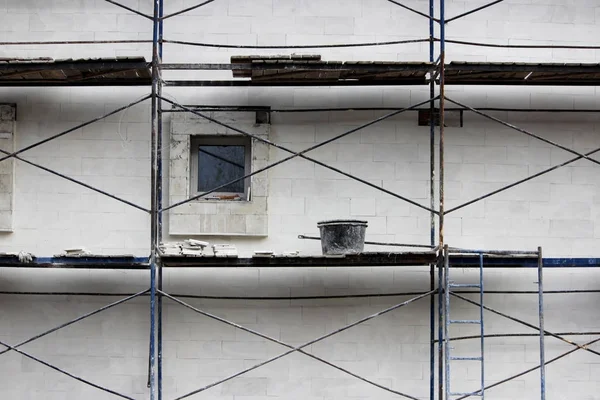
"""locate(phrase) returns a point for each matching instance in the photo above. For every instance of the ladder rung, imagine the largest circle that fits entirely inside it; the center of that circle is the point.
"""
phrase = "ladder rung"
(465, 321)
(465, 285)
(467, 358)
(477, 393)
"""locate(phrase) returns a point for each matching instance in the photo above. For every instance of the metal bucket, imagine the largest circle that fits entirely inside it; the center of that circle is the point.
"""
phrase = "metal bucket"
(340, 237)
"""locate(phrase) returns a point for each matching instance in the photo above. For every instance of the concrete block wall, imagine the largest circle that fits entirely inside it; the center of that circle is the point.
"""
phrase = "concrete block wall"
(7, 174)
(557, 211)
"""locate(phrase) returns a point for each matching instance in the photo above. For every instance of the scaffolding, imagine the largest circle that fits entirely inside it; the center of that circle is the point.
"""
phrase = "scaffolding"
(436, 73)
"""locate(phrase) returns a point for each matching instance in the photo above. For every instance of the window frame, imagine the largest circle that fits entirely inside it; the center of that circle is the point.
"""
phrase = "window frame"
(219, 140)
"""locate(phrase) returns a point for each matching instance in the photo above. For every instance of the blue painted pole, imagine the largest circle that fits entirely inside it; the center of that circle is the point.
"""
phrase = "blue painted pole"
(441, 211)
(432, 204)
(441, 267)
(482, 325)
(159, 194)
(154, 198)
(542, 331)
(152, 327)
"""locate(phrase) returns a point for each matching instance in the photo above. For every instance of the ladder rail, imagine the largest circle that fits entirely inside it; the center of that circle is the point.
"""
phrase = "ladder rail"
(448, 285)
(482, 329)
(447, 322)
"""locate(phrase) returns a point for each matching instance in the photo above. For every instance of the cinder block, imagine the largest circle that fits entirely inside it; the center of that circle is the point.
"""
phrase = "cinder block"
(314, 188)
(354, 152)
(373, 170)
(395, 152)
(571, 228)
(324, 207)
(244, 350)
(286, 206)
(402, 225)
(364, 207)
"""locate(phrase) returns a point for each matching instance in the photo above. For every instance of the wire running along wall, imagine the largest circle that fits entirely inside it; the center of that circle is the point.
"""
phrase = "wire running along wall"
(443, 257)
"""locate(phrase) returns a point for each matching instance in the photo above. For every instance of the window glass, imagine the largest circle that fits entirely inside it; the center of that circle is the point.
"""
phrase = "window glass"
(218, 165)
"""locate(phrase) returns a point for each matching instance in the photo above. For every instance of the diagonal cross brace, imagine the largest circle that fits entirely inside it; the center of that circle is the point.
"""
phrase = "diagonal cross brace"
(474, 10)
(77, 378)
(186, 9)
(85, 185)
(534, 368)
(547, 170)
(217, 318)
(141, 14)
(71, 322)
(422, 14)
(298, 154)
(294, 349)
(526, 132)
(75, 128)
(527, 324)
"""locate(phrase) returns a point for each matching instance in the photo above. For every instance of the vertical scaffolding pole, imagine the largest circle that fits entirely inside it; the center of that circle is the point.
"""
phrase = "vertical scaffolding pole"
(482, 326)
(159, 199)
(443, 260)
(432, 204)
(442, 21)
(446, 323)
(153, 199)
(542, 332)
(442, 103)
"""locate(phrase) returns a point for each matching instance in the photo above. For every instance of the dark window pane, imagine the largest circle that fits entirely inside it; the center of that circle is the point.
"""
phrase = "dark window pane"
(218, 165)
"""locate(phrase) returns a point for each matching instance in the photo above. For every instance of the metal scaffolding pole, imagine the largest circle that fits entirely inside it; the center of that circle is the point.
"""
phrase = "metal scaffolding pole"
(154, 194)
(441, 119)
(443, 268)
(541, 319)
(159, 203)
(432, 129)
(432, 344)
(155, 292)
(442, 265)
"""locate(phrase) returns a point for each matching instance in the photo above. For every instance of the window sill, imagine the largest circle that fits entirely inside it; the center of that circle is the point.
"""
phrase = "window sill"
(202, 200)
(226, 199)
(220, 234)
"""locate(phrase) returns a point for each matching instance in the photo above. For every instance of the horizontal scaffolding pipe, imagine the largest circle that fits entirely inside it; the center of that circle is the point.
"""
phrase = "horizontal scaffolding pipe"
(458, 250)
(346, 109)
(425, 246)
(506, 335)
(73, 42)
(295, 65)
(299, 46)
(520, 46)
(109, 66)
(248, 82)
(280, 298)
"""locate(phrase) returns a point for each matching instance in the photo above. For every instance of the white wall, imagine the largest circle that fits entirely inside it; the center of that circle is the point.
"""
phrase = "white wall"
(558, 211)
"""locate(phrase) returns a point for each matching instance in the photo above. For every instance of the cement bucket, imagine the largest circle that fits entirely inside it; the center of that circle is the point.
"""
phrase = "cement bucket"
(340, 237)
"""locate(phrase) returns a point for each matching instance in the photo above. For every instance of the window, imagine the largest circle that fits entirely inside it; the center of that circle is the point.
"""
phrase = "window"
(218, 160)
(193, 172)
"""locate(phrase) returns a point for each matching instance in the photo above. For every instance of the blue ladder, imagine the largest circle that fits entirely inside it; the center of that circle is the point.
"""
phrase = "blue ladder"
(450, 286)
